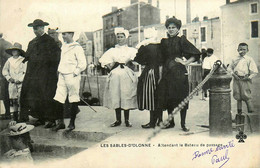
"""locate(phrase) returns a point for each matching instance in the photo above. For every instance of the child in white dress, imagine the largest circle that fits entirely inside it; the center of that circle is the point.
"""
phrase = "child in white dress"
(14, 71)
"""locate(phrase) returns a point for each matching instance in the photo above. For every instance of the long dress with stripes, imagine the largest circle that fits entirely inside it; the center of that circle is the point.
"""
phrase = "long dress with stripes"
(150, 57)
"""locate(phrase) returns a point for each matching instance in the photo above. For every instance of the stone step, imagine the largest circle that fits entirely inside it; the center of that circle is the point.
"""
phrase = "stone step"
(46, 148)
(73, 135)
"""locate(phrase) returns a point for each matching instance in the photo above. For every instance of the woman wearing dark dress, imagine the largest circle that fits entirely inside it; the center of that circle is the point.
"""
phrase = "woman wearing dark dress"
(149, 55)
(174, 86)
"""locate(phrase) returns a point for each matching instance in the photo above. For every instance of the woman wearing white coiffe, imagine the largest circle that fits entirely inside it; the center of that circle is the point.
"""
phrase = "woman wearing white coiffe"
(121, 85)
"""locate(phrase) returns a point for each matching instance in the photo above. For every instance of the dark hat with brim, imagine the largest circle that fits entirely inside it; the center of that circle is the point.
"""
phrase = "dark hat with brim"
(16, 46)
(38, 22)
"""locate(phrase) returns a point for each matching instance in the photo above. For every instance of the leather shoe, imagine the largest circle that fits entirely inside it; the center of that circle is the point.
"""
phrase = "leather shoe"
(115, 124)
(169, 126)
(185, 129)
(38, 123)
(128, 124)
(147, 126)
(59, 126)
(50, 125)
(70, 128)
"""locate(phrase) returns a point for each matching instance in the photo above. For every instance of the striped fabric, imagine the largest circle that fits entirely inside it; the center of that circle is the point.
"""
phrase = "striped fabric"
(149, 87)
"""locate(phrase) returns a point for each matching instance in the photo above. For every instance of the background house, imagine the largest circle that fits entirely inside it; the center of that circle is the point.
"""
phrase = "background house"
(240, 23)
(128, 18)
(86, 41)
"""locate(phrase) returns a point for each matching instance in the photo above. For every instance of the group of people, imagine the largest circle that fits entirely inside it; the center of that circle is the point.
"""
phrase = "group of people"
(43, 77)
(163, 83)
(243, 69)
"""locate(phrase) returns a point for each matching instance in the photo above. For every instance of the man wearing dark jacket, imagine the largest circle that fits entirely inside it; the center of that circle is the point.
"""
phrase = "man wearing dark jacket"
(40, 81)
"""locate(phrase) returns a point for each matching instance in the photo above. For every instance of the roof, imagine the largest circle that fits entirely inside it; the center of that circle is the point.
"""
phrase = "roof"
(239, 1)
(122, 9)
(89, 35)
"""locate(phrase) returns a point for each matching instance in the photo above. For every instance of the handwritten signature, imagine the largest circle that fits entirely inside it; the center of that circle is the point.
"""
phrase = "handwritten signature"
(217, 157)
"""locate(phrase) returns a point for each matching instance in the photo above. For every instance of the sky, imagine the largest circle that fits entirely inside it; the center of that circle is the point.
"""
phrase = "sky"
(84, 15)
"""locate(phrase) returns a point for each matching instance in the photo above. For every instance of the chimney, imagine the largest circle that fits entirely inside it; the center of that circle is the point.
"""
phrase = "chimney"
(227, 1)
(158, 4)
(114, 8)
(133, 1)
(188, 15)
(150, 2)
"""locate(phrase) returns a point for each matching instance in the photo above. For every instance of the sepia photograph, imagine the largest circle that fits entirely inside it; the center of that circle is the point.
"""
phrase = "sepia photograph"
(129, 83)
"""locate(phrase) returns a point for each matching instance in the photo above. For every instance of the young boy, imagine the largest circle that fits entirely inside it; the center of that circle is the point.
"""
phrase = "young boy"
(207, 65)
(14, 71)
(243, 70)
(72, 63)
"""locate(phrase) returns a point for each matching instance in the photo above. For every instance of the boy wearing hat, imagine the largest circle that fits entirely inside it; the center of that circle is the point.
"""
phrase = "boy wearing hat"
(207, 65)
(72, 63)
(20, 141)
(14, 70)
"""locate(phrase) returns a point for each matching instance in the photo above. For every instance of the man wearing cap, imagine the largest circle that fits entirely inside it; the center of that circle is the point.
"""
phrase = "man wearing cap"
(72, 63)
(4, 95)
(55, 35)
(40, 81)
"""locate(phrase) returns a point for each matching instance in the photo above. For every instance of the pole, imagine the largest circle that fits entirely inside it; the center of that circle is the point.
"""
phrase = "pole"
(175, 8)
(139, 34)
(139, 24)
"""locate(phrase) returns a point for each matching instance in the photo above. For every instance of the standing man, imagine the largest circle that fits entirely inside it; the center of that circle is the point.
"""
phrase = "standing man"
(55, 35)
(4, 95)
(207, 65)
(72, 63)
(40, 81)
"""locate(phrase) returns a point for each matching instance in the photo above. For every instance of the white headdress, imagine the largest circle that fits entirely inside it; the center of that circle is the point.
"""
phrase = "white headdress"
(121, 30)
(150, 33)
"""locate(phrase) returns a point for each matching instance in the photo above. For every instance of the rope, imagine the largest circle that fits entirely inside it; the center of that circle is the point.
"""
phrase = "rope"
(185, 101)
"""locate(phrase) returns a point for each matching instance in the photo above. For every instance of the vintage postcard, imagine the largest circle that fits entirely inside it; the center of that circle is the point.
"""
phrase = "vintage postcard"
(174, 47)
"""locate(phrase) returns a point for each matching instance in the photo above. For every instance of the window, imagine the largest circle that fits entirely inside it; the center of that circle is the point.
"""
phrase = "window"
(184, 32)
(254, 8)
(203, 34)
(119, 20)
(107, 23)
(112, 39)
(254, 29)
(112, 22)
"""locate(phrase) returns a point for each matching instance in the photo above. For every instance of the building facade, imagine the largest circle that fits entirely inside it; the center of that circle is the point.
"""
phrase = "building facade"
(98, 45)
(86, 41)
(205, 33)
(128, 18)
(240, 23)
